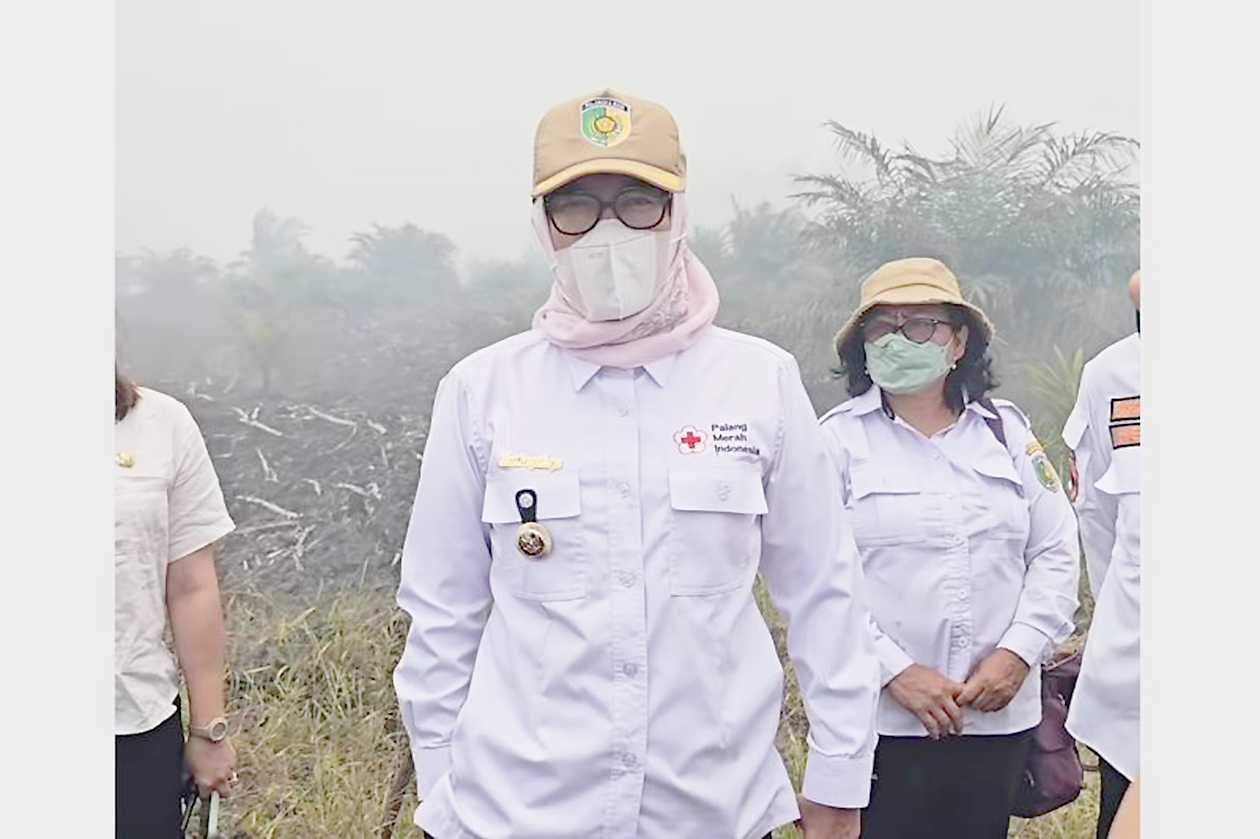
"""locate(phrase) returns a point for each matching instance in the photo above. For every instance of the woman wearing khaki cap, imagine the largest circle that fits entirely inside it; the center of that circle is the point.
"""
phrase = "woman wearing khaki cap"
(969, 554)
(597, 496)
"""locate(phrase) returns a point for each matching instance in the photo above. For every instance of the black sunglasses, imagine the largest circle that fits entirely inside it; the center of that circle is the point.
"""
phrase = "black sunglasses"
(637, 207)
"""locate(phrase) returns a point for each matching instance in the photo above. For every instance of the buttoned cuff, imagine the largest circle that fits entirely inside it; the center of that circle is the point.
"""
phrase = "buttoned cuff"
(1027, 643)
(431, 765)
(838, 781)
(892, 660)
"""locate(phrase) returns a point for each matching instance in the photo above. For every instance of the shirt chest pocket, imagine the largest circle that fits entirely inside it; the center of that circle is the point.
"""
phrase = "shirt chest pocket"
(140, 514)
(563, 572)
(715, 538)
(889, 505)
(998, 507)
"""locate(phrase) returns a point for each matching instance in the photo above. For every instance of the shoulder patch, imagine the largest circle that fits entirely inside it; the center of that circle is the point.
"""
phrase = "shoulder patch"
(1128, 408)
(1125, 435)
(1126, 422)
(1042, 466)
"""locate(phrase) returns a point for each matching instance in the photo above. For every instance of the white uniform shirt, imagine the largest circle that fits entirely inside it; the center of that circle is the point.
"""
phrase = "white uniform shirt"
(964, 549)
(625, 685)
(167, 505)
(1105, 432)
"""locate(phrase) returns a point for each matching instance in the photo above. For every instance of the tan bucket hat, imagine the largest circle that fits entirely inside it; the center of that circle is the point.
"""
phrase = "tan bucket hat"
(908, 281)
(608, 133)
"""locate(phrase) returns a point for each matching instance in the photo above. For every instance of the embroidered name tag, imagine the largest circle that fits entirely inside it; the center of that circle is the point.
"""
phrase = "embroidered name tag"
(521, 461)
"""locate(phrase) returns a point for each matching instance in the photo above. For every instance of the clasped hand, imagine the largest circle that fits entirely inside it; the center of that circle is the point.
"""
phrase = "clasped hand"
(937, 701)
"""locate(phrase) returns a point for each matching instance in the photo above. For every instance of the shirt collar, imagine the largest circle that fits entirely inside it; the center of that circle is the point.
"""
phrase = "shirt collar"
(660, 369)
(872, 400)
(582, 371)
(976, 407)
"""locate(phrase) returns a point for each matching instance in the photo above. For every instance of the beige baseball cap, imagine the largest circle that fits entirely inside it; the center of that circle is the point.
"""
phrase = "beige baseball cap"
(913, 280)
(608, 133)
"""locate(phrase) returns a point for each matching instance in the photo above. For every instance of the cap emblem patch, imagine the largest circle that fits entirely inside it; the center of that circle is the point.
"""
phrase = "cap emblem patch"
(605, 121)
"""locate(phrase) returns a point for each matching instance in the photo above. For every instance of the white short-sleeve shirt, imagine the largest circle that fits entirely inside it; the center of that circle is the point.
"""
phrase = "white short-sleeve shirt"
(1105, 432)
(167, 505)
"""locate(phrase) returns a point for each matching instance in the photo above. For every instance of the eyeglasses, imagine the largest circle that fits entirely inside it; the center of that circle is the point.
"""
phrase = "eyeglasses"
(575, 213)
(918, 330)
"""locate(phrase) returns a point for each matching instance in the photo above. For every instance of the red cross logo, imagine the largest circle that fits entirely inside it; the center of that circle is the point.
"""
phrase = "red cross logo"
(690, 440)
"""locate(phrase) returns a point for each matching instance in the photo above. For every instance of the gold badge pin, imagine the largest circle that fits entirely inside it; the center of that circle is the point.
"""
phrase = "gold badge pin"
(532, 539)
(124, 460)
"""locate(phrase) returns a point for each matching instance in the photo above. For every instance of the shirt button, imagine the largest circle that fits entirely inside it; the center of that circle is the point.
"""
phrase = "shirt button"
(629, 760)
(630, 669)
(623, 411)
(626, 578)
(624, 489)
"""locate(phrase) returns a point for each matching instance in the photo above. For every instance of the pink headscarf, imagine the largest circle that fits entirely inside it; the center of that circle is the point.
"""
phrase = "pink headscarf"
(685, 305)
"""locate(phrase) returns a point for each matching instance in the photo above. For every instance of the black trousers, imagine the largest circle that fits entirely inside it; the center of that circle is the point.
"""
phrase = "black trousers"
(954, 788)
(1114, 786)
(148, 774)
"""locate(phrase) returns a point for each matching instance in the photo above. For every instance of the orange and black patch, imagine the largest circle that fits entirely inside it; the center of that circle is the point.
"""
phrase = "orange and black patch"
(1126, 422)
(1124, 435)
(1127, 409)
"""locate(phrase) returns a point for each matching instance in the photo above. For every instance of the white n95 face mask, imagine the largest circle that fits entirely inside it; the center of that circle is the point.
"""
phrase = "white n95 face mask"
(613, 272)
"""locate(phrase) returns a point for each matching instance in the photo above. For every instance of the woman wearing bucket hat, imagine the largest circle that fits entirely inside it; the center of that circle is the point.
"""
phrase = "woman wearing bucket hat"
(597, 496)
(969, 554)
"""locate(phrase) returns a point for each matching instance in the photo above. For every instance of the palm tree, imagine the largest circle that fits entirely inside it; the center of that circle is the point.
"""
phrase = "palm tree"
(405, 262)
(1041, 227)
(166, 313)
(274, 289)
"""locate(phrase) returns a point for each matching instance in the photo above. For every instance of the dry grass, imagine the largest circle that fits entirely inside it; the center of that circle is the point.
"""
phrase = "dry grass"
(318, 742)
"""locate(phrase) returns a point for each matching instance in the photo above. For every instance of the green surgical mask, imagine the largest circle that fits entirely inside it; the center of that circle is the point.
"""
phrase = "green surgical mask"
(899, 365)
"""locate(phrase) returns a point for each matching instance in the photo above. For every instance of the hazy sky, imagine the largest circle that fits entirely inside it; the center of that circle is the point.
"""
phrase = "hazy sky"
(344, 114)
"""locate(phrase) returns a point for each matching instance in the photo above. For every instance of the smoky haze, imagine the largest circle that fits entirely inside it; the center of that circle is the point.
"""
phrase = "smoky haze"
(347, 114)
(322, 207)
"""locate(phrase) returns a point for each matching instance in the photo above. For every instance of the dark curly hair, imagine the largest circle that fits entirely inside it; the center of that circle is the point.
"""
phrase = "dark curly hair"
(125, 396)
(971, 381)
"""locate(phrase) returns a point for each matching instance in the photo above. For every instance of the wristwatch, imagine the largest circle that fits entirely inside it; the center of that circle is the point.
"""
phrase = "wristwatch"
(215, 731)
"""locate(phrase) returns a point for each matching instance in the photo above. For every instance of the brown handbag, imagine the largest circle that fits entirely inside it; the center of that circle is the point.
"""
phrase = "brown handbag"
(1053, 775)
